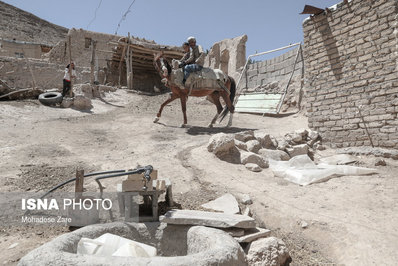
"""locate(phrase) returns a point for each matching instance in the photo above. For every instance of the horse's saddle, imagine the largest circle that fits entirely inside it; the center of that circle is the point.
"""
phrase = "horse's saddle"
(206, 78)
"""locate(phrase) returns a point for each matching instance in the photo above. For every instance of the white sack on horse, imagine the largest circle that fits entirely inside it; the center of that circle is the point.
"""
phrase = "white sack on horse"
(206, 78)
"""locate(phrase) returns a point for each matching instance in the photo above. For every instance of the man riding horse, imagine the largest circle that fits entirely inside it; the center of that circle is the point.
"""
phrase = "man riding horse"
(202, 82)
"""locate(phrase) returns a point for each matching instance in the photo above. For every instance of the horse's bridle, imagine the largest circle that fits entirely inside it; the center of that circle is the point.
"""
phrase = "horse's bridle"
(164, 68)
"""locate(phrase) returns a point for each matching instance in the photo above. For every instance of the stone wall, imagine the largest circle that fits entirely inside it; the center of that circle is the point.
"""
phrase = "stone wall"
(272, 76)
(351, 62)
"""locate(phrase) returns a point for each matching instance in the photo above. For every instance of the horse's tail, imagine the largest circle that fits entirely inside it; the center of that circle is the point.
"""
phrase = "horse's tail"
(232, 92)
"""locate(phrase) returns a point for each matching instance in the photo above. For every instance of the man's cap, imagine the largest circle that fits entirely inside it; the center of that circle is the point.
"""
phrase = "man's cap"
(191, 38)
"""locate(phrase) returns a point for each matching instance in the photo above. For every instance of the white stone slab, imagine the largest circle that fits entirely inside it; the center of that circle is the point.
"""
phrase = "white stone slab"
(226, 203)
(253, 234)
(213, 219)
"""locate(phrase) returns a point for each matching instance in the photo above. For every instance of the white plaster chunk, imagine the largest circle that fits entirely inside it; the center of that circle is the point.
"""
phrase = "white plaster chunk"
(253, 167)
(226, 203)
(212, 219)
(253, 234)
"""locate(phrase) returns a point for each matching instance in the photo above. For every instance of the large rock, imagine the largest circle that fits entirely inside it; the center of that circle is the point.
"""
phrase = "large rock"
(250, 157)
(220, 144)
(229, 55)
(253, 145)
(81, 102)
(212, 219)
(177, 245)
(245, 136)
(84, 89)
(298, 150)
(266, 140)
(226, 203)
(283, 145)
(276, 155)
(267, 251)
(241, 145)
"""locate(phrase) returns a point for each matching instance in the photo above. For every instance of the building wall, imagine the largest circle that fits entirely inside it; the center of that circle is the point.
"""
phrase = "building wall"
(16, 73)
(81, 48)
(20, 49)
(350, 58)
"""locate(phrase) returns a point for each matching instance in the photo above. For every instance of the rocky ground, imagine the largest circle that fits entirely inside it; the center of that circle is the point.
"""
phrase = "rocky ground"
(346, 220)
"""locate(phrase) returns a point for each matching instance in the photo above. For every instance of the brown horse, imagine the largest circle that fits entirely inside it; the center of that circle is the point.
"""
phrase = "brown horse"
(225, 90)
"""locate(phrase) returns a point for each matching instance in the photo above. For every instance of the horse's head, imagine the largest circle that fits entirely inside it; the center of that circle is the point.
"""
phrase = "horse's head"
(161, 65)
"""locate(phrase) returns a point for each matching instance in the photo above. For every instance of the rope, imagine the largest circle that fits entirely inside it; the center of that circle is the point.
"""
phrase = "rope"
(124, 16)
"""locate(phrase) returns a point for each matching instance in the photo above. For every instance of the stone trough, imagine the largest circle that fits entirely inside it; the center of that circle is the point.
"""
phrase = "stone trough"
(176, 245)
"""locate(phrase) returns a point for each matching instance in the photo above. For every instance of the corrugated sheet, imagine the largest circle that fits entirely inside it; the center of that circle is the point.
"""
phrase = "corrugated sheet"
(258, 103)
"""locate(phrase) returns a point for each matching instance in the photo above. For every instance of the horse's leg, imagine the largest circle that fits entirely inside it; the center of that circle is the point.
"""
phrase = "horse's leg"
(169, 100)
(183, 100)
(231, 108)
(215, 96)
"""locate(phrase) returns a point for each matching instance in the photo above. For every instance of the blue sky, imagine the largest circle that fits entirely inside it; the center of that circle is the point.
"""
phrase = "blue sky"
(268, 24)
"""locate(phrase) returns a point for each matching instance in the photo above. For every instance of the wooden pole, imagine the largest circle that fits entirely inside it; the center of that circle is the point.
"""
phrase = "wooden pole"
(79, 183)
(130, 68)
(120, 64)
(70, 67)
(128, 62)
(93, 44)
(30, 69)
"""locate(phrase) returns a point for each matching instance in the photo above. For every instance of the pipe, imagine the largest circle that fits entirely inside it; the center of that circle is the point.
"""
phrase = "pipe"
(114, 173)
(288, 83)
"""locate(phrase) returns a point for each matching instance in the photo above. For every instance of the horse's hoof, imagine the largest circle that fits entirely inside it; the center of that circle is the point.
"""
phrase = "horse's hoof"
(210, 125)
(184, 126)
(156, 120)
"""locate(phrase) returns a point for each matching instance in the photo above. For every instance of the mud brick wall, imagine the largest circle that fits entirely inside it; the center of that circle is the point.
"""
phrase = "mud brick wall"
(16, 73)
(350, 56)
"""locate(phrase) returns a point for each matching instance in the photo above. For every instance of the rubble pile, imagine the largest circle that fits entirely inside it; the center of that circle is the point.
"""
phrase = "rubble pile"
(254, 149)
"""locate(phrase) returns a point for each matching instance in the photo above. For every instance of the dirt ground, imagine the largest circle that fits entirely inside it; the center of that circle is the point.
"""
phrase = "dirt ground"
(351, 220)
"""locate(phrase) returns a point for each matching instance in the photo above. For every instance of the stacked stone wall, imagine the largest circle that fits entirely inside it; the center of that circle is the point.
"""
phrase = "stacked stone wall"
(350, 56)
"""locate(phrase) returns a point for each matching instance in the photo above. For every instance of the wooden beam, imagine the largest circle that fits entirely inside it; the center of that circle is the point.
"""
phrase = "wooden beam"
(70, 66)
(79, 183)
(93, 46)
(120, 64)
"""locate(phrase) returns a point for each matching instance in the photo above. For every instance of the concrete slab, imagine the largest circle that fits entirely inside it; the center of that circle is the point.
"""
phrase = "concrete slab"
(212, 219)
(226, 204)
